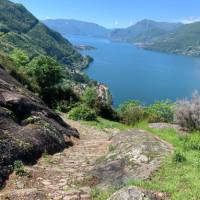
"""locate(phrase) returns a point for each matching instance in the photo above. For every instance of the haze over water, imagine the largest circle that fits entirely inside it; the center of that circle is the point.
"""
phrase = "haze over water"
(133, 73)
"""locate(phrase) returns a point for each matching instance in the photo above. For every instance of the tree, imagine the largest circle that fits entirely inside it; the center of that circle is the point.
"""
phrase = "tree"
(46, 71)
(90, 97)
(19, 57)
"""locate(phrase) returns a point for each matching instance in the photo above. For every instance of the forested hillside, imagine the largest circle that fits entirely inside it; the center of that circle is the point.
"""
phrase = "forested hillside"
(20, 29)
(185, 40)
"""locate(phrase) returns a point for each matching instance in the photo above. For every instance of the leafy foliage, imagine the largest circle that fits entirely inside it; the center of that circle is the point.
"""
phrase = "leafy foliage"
(131, 112)
(179, 157)
(19, 57)
(90, 97)
(19, 168)
(82, 112)
(46, 71)
(161, 111)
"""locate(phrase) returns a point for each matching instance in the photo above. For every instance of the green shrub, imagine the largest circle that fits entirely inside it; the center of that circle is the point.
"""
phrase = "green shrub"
(46, 71)
(131, 112)
(161, 111)
(179, 157)
(82, 112)
(90, 98)
(19, 168)
(19, 57)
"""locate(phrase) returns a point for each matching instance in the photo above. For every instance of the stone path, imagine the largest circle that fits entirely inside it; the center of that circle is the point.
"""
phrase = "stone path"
(62, 175)
(69, 175)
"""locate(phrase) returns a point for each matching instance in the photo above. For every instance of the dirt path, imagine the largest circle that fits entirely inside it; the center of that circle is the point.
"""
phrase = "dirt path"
(60, 176)
(68, 175)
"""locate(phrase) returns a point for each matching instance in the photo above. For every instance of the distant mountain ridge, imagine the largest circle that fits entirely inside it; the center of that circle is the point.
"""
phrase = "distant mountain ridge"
(157, 36)
(143, 31)
(184, 40)
(76, 27)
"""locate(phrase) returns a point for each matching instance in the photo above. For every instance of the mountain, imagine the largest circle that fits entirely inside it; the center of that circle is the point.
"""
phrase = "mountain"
(75, 27)
(20, 29)
(185, 40)
(143, 31)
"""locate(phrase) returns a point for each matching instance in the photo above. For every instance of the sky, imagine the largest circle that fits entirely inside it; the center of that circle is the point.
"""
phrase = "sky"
(115, 13)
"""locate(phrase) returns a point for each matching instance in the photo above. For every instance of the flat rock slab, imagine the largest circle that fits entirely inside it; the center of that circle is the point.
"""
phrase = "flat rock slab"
(134, 154)
(134, 193)
(162, 126)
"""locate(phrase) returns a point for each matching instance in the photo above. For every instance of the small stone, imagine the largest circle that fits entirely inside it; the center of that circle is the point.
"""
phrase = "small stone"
(46, 182)
(39, 178)
(20, 185)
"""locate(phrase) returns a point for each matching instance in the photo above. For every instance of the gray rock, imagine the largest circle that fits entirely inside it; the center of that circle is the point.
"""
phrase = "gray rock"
(27, 126)
(135, 154)
(130, 193)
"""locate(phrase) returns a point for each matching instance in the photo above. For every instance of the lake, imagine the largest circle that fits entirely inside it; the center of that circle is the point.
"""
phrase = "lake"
(134, 73)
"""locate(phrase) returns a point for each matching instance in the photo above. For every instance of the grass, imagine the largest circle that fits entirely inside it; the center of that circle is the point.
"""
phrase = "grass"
(101, 194)
(178, 177)
(101, 123)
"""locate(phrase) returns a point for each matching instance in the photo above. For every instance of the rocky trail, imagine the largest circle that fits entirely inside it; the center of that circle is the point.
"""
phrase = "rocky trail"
(99, 157)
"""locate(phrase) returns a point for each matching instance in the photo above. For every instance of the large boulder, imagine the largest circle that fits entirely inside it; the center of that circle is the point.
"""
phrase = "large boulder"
(28, 127)
(133, 154)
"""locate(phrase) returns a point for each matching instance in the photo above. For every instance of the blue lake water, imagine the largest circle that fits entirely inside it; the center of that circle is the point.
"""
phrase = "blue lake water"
(133, 73)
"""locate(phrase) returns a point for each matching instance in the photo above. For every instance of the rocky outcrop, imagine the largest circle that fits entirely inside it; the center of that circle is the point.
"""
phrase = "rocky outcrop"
(134, 193)
(134, 154)
(28, 127)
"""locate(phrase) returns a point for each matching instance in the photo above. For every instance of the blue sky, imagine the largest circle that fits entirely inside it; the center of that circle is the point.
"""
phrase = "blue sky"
(115, 13)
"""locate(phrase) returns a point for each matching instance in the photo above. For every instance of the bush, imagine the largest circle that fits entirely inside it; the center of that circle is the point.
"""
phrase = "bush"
(131, 112)
(108, 112)
(187, 113)
(161, 111)
(82, 112)
(90, 98)
(19, 168)
(59, 95)
(179, 157)
(46, 71)
(19, 57)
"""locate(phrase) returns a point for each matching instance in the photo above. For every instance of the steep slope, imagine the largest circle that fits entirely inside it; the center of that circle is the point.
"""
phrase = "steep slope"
(143, 31)
(185, 40)
(28, 127)
(76, 27)
(19, 28)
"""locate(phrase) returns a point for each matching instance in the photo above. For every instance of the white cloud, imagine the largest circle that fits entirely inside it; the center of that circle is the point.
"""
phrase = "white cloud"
(191, 19)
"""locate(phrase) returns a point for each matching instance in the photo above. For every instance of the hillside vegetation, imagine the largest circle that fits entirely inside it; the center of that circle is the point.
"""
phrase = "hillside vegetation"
(20, 29)
(185, 40)
(143, 31)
